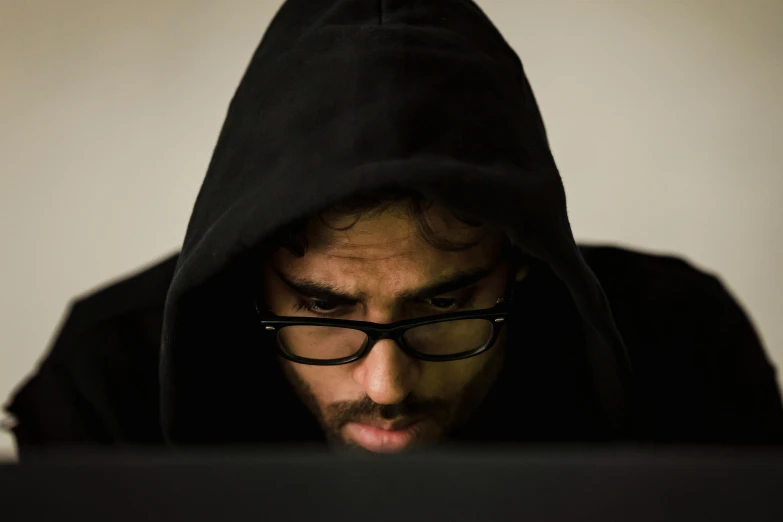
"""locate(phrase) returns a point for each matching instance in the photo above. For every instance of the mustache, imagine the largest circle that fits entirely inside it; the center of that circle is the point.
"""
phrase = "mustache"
(344, 412)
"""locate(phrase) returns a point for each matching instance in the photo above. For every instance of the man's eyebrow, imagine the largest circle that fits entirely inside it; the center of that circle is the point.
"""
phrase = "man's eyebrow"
(319, 290)
(444, 285)
(450, 283)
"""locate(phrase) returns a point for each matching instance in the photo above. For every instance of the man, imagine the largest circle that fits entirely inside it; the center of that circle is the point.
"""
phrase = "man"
(380, 258)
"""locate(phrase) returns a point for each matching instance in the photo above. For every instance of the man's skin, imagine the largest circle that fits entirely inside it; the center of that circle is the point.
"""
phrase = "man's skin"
(381, 261)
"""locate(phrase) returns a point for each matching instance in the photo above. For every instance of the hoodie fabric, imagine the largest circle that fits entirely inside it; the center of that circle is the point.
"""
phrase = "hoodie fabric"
(351, 95)
(346, 96)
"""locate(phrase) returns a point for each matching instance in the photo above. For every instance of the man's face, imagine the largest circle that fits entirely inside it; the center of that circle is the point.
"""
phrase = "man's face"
(382, 270)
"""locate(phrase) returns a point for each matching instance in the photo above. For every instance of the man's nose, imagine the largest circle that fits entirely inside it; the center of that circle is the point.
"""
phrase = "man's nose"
(387, 374)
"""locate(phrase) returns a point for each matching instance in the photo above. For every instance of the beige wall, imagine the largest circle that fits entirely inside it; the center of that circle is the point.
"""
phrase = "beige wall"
(665, 118)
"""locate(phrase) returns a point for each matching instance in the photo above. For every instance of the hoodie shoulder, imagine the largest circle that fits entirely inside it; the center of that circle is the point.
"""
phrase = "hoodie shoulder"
(700, 369)
(98, 381)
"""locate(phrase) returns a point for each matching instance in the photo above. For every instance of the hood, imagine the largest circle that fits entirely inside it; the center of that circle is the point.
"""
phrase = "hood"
(343, 96)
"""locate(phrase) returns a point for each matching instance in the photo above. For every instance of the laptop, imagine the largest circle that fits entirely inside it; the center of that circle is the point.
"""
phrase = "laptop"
(468, 485)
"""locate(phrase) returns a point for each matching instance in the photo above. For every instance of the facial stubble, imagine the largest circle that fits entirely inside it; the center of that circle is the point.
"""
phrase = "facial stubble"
(447, 414)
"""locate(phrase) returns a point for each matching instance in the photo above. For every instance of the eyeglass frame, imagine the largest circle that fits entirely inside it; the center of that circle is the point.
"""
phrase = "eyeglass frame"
(497, 315)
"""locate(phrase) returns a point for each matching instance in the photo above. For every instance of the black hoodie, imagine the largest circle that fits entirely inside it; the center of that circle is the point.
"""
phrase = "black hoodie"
(346, 96)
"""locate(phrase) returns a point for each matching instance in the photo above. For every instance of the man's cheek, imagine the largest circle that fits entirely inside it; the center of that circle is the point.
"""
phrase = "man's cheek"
(441, 385)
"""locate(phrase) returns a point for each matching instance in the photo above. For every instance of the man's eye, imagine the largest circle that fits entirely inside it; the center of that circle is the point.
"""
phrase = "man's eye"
(317, 305)
(443, 302)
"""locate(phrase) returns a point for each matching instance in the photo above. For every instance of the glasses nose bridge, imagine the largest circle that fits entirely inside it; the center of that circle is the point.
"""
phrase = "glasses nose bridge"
(381, 334)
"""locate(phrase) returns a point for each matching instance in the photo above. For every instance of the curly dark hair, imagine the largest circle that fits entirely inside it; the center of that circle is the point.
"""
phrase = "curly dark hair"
(293, 237)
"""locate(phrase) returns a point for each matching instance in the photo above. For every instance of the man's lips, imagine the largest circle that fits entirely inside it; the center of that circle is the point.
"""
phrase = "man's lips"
(384, 436)
(388, 425)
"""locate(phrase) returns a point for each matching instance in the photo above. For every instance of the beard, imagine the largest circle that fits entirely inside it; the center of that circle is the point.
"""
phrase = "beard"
(443, 415)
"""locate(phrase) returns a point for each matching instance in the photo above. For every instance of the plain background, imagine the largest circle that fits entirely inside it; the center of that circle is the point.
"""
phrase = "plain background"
(664, 117)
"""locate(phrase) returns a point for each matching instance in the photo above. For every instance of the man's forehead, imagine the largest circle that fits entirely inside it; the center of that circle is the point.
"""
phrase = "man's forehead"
(393, 271)
(390, 260)
(366, 245)
(393, 243)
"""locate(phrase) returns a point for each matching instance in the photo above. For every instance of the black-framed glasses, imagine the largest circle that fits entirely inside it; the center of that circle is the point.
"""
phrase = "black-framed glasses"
(443, 337)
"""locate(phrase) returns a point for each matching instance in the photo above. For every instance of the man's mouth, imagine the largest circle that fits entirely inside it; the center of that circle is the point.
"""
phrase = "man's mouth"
(384, 436)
